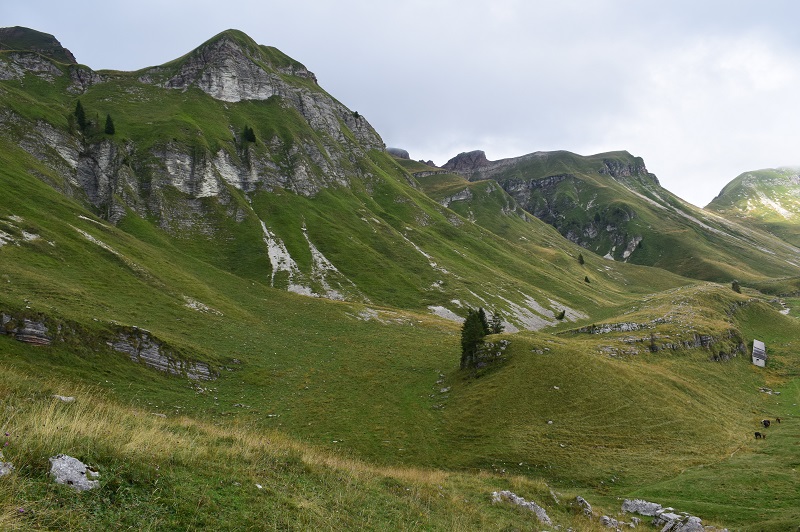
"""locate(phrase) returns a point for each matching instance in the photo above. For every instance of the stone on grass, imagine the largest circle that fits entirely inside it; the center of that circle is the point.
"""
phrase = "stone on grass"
(5, 467)
(519, 501)
(638, 506)
(672, 522)
(64, 398)
(584, 504)
(72, 472)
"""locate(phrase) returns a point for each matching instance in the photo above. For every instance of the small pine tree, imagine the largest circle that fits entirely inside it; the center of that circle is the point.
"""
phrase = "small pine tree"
(472, 334)
(497, 323)
(80, 116)
(580, 259)
(586, 279)
(110, 130)
(561, 315)
(735, 287)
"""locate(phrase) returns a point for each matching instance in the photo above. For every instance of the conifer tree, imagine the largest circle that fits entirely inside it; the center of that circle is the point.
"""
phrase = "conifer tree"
(472, 334)
(110, 130)
(80, 116)
(497, 323)
(580, 259)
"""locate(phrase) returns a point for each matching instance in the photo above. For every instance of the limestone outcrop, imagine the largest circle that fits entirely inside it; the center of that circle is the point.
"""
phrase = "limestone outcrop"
(233, 68)
(666, 519)
(73, 473)
(513, 498)
(141, 347)
(27, 330)
(138, 344)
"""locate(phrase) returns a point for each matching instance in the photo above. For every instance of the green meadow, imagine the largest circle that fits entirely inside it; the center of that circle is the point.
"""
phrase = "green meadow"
(353, 413)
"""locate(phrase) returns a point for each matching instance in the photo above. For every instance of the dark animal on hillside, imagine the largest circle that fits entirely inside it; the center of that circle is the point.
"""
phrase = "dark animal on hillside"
(777, 420)
(759, 435)
(765, 422)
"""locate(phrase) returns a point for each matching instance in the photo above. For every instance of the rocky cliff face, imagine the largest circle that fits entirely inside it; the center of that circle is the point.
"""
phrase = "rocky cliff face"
(467, 163)
(115, 175)
(229, 70)
(621, 171)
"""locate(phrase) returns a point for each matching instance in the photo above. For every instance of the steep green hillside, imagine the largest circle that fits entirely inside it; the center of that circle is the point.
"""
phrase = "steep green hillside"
(244, 293)
(307, 202)
(609, 203)
(765, 199)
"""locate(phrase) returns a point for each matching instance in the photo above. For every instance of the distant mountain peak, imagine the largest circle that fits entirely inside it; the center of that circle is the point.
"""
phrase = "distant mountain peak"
(767, 199)
(232, 67)
(398, 152)
(467, 162)
(28, 40)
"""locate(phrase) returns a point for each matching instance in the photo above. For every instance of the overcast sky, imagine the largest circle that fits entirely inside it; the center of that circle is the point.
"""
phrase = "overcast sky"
(703, 90)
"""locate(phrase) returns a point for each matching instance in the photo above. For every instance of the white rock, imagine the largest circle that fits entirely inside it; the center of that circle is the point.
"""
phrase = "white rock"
(72, 472)
(641, 507)
(64, 398)
(5, 467)
(541, 514)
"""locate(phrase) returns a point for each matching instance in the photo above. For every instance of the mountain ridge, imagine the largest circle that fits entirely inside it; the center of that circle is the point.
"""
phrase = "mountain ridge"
(611, 204)
(306, 204)
(19, 38)
(767, 199)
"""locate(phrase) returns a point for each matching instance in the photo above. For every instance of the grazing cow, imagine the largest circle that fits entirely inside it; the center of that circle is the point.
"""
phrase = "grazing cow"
(777, 420)
(765, 422)
(759, 435)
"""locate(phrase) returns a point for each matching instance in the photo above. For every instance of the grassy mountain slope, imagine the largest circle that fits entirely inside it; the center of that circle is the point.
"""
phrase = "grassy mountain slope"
(19, 38)
(611, 205)
(365, 387)
(368, 382)
(765, 199)
(350, 411)
(340, 221)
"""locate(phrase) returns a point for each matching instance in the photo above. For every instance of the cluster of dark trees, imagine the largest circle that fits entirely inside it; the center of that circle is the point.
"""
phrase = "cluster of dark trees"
(473, 332)
(84, 124)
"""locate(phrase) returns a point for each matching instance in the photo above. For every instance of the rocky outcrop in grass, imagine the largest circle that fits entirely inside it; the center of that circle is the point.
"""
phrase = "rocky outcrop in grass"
(513, 498)
(138, 344)
(73, 473)
(141, 347)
